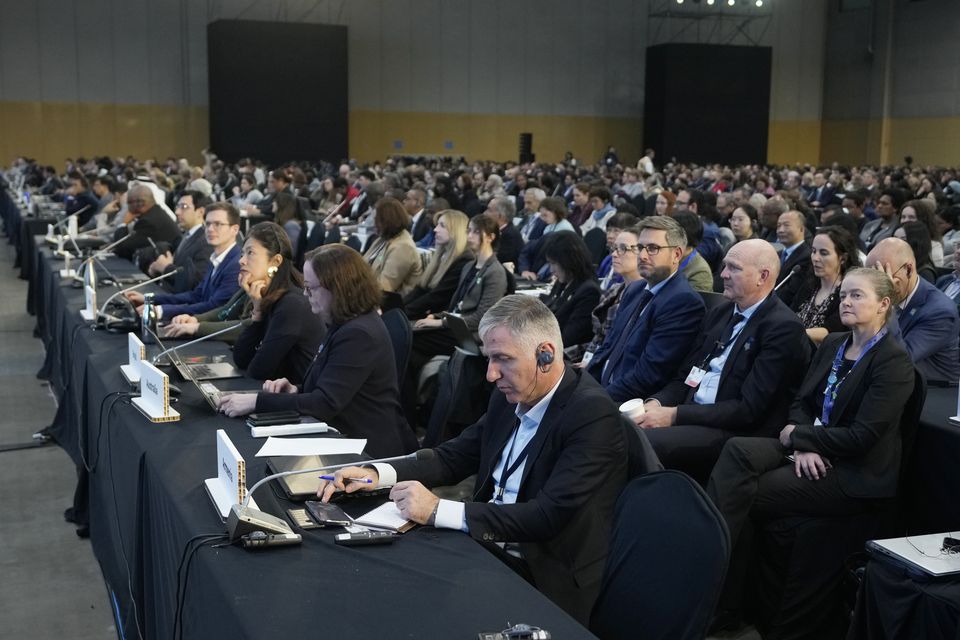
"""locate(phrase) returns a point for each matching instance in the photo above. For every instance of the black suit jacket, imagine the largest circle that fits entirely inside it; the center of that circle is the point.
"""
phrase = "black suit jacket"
(192, 257)
(154, 224)
(421, 301)
(573, 305)
(510, 245)
(352, 385)
(422, 227)
(800, 257)
(863, 440)
(575, 469)
(759, 378)
(283, 344)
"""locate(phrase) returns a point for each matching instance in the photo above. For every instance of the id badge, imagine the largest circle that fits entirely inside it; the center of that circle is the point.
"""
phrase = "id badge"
(695, 377)
(587, 357)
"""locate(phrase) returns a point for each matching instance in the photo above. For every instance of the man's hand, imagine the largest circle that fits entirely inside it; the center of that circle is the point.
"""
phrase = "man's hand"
(135, 297)
(785, 435)
(327, 487)
(238, 404)
(180, 330)
(655, 416)
(281, 385)
(428, 322)
(529, 275)
(185, 318)
(163, 261)
(414, 501)
(810, 465)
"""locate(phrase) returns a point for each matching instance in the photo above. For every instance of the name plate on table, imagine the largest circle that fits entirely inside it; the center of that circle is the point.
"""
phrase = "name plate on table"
(229, 487)
(136, 351)
(89, 312)
(154, 399)
(72, 226)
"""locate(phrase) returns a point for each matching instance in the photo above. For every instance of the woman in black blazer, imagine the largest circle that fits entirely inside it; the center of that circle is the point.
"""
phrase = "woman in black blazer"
(352, 383)
(576, 291)
(442, 275)
(282, 335)
(843, 430)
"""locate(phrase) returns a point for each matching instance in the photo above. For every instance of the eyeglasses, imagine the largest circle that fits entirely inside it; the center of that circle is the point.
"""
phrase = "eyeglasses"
(653, 249)
(308, 290)
(214, 224)
(894, 274)
(184, 205)
(621, 249)
(135, 202)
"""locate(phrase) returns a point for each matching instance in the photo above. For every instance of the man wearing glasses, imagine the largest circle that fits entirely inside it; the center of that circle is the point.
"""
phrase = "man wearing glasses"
(146, 221)
(192, 255)
(221, 225)
(740, 376)
(658, 318)
(927, 319)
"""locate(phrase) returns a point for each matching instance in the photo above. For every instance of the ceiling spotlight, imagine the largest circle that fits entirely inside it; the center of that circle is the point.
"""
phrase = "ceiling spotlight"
(759, 3)
(731, 2)
(710, 2)
(679, 1)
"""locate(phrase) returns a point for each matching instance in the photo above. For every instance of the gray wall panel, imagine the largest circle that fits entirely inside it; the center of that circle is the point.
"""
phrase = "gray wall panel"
(57, 37)
(482, 67)
(449, 48)
(19, 52)
(95, 63)
(131, 50)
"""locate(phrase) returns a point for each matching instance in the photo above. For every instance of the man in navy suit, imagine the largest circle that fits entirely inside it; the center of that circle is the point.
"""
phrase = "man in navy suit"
(741, 375)
(221, 224)
(658, 318)
(927, 319)
(796, 253)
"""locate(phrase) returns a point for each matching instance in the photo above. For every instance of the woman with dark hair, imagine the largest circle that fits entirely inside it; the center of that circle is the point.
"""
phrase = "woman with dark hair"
(744, 222)
(948, 223)
(393, 255)
(923, 211)
(553, 212)
(817, 302)
(287, 214)
(352, 382)
(442, 275)
(246, 196)
(575, 292)
(917, 236)
(468, 196)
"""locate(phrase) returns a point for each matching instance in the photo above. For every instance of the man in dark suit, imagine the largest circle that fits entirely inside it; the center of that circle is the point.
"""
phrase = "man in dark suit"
(657, 320)
(149, 222)
(192, 256)
(741, 376)
(822, 193)
(421, 222)
(549, 455)
(795, 255)
(510, 242)
(222, 223)
(80, 200)
(927, 319)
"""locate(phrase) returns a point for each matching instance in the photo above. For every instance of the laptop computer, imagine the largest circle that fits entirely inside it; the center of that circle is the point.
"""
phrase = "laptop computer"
(924, 553)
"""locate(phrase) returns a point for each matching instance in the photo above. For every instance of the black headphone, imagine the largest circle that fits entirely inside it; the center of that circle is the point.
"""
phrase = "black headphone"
(544, 358)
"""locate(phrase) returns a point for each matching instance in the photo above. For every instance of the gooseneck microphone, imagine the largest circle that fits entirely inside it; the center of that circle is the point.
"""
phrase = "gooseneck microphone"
(243, 519)
(796, 269)
(156, 358)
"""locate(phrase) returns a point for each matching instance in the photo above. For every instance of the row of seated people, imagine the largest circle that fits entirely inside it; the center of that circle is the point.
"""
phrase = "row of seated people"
(746, 367)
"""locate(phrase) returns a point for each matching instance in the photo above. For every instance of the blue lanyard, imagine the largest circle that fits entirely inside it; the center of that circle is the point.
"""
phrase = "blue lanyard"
(833, 384)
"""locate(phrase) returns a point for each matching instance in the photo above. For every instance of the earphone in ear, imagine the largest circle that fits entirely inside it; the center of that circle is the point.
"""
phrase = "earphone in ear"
(544, 358)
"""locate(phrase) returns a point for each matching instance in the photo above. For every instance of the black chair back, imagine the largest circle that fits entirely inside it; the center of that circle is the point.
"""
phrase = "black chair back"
(462, 396)
(712, 300)
(667, 562)
(401, 335)
(641, 458)
(596, 241)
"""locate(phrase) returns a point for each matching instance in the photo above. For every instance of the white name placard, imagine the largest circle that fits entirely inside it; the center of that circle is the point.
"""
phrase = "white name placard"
(154, 399)
(229, 487)
(136, 351)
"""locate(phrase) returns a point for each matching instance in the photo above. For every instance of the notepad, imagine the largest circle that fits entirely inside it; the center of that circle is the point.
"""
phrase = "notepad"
(387, 516)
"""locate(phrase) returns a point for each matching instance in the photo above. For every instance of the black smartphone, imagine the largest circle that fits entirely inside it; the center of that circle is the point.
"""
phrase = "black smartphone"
(272, 417)
(327, 514)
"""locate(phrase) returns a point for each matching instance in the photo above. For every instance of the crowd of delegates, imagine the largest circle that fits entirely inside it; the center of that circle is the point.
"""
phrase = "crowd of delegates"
(736, 302)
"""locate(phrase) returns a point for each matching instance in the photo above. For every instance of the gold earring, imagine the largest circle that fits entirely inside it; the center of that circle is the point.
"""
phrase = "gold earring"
(272, 271)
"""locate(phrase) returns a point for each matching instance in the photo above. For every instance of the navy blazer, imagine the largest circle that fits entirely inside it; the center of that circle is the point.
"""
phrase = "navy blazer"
(659, 340)
(574, 471)
(759, 378)
(945, 281)
(192, 257)
(216, 288)
(352, 386)
(283, 343)
(799, 258)
(862, 441)
(930, 327)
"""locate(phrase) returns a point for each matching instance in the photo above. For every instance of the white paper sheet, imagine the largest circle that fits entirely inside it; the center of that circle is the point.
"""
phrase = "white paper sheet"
(386, 516)
(310, 446)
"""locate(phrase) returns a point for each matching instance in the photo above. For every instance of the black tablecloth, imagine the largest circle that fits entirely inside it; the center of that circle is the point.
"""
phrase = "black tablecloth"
(147, 500)
(936, 494)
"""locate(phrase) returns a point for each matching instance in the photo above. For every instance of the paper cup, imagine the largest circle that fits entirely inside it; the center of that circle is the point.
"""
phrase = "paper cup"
(632, 409)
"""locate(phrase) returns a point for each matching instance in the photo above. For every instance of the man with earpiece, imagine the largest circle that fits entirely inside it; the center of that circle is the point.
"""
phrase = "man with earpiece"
(549, 456)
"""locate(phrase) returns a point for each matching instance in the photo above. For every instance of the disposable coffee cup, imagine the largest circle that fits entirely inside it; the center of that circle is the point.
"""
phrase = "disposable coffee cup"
(632, 409)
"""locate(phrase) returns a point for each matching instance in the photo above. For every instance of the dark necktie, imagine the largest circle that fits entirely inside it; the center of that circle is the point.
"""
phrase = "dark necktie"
(727, 334)
(617, 351)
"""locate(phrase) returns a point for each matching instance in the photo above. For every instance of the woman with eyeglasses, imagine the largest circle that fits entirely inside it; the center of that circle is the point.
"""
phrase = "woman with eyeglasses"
(280, 335)
(624, 264)
(352, 382)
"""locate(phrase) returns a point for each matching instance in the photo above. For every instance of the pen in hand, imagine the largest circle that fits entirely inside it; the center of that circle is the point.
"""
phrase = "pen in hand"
(363, 480)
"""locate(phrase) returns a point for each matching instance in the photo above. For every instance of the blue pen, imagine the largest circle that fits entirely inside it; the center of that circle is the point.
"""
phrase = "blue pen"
(363, 480)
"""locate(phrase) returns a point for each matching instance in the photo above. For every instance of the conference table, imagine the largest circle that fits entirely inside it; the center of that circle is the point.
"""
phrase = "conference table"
(147, 501)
